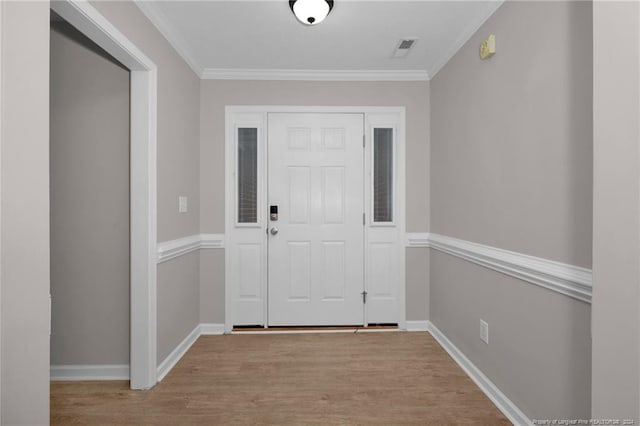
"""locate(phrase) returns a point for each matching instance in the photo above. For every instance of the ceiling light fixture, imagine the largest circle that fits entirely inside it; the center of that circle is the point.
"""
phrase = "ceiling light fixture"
(311, 12)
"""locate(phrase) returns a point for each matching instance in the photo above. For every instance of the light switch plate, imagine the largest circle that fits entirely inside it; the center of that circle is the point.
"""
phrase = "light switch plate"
(484, 331)
(182, 204)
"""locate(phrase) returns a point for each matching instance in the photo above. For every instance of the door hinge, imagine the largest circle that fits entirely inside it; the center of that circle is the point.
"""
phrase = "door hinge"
(363, 141)
(364, 219)
(364, 297)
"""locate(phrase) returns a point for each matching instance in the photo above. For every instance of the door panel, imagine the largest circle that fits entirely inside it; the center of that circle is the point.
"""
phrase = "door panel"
(249, 271)
(299, 195)
(316, 259)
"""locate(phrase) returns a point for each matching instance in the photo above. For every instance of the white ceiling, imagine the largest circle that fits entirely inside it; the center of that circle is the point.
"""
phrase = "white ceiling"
(262, 39)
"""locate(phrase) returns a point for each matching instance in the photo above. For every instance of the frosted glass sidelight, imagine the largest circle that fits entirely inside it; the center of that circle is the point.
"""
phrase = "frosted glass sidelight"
(247, 175)
(383, 175)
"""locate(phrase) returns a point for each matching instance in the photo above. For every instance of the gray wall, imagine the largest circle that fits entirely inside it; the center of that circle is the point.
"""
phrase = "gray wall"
(179, 301)
(89, 160)
(25, 194)
(511, 167)
(215, 95)
(616, 264)
(178, 168)
(25, 213)
(512, 135)
(212, 286)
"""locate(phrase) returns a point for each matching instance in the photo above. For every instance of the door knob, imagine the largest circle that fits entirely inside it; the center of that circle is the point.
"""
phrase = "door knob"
(274, 231)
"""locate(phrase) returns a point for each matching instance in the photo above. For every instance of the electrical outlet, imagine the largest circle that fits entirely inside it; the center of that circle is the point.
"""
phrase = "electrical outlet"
(484, 331)
(182, 204)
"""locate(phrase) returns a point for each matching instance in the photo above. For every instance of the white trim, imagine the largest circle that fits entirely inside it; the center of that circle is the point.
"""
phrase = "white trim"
(504, 404)
(276, 109)
(89, 372)
(176, 355)
(174, 248)
(211, 329)
(144, 93)
(2, 50)
(211, 241)
(417, 239)
(347, 330)
(572, 281)
(417, 325)
(92, 24)
(313, 75)
(466, 35)
(566, 279)
(171, 249)
(175, 39)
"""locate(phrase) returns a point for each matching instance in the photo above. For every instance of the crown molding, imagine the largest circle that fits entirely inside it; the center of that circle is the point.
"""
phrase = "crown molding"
(465, 37)
(313, 75)
(175, 39)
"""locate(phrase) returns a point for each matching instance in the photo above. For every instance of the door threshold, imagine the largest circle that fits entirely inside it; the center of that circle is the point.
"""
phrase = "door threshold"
(315, 329)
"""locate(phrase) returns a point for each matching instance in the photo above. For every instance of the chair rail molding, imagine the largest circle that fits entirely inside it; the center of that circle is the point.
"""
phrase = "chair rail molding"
(417, 239)
(175, 248)
(572, 281)
(313, 75)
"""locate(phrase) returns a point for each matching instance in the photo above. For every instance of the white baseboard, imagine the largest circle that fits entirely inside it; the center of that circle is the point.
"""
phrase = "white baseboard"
(504, 404)
(417, 325)
(172, 359)
(211, 329)
(121, 372)
(89, 372)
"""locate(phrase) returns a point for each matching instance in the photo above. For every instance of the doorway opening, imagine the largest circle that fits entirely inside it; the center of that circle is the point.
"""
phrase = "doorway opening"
(315, 216)
(143, 205)
(89, 215)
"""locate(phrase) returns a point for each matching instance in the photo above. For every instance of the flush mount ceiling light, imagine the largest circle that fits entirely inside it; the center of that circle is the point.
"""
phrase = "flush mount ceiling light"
(311, 12)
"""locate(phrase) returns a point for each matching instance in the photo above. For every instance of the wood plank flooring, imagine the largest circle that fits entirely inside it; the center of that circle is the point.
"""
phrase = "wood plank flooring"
(291, 379)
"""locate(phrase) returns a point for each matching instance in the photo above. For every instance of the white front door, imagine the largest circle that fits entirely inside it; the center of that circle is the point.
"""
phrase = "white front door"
(316, 244)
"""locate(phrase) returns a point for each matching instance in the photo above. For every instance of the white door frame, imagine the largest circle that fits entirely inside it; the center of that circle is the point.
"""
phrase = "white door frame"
(143, 216)
(257, 116)
(1, 145)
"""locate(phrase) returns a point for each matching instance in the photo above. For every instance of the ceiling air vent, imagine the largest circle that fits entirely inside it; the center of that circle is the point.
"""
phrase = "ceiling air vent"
(403, 47)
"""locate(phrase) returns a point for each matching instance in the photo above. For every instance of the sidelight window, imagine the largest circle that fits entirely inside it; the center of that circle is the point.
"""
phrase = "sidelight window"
(383, 175)
(247, 175)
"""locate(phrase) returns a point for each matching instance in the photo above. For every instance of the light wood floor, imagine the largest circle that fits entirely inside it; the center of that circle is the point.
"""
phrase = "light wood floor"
(291, 379)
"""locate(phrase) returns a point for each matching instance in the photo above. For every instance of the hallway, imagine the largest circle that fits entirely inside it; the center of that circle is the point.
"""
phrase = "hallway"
(363, 378)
